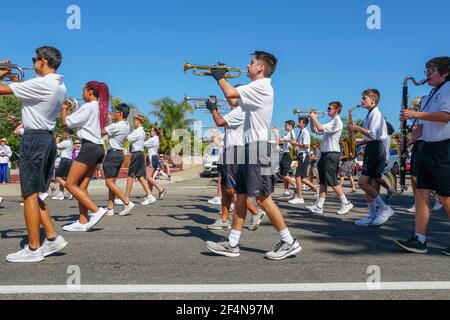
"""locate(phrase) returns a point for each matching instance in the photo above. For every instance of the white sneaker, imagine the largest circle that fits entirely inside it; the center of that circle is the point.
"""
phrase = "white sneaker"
(118, 202)
(383, 217)
(367, 220)
(256, 220)
(437, 206)
(43, 196)
(345, 208)
(286, 194)
(297, 201)
(49, 248)
(283, 250)
(70, 196)
(59, 197)
(96, 217)
(314, 209)
(127, 209)
(412, 209)
(216, 201)
(109, 212)
(1, 200)
(26, 255)
(148, 200)
(76, 227)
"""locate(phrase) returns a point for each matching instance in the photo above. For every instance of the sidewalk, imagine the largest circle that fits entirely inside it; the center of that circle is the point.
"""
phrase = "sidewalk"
(97, 187)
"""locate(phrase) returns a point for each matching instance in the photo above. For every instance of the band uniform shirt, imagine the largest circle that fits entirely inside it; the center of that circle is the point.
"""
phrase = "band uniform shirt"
(6, 150)
(234, 132)
(66, 148)
(376, 125)
(332, 135)
(152, 146)
(256, 101)
(42, 98)
(87, 122)
(287, 141)
(438, 131)
(137, 139)
(304, 137)
(118, 133)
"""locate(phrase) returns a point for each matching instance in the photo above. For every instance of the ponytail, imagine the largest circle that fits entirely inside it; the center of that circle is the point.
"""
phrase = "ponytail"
(101, 91)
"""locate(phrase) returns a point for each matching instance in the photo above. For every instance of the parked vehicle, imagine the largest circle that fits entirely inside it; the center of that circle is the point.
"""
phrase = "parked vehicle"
(210, 161)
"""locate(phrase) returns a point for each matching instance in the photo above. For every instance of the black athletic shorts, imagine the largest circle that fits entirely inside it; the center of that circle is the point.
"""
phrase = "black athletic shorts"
(328, 168)
(303, 164)
(37, 155)
(64, 168)
(137, 166)
(285, 164)
(153, 162)
(255, 177)
(91, 153)
(229, 164)
(433, 167)
(113, 163)
(415, 156)
(374, 160)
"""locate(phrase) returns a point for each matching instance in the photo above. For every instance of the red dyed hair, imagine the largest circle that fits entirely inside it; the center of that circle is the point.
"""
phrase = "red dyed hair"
(101, 91)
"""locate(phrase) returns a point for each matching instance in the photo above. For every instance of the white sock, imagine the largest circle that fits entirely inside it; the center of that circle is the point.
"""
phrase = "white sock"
(286, 237)
(421, 237)
(234, 238)
(380, 203)
(343, 199)
(372, 208)
(320, 202)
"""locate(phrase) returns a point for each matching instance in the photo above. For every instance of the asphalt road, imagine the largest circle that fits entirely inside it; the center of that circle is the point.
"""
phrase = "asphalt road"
(163, 244)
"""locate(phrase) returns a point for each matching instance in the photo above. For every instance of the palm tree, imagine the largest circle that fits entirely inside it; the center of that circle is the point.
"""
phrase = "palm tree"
(170, 116)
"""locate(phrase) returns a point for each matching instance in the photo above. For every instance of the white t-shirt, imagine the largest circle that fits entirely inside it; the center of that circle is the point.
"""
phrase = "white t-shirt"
(376, 125)
(87, 122)
(257, 102)
(8, 153)
(287, 141)
(152, 146)
(137, 139)
(332, 135)
(66, 148)
(304, 138)
(42, 99)
(437, 131)
(234, 132)
(118, 133)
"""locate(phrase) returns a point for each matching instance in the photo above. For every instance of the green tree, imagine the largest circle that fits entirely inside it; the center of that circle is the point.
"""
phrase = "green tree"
(10, 105)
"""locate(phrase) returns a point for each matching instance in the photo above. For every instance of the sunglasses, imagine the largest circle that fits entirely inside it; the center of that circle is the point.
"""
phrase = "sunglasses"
(331, 109)
(36, 59)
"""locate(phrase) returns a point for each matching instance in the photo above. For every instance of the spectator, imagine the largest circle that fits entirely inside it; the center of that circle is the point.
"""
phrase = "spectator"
(5, 154)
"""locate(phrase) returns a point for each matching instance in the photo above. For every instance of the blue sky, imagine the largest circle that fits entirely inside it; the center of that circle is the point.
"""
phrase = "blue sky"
(325, 50)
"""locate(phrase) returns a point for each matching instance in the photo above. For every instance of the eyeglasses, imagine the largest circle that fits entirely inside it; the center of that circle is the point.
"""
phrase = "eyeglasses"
(430, 71)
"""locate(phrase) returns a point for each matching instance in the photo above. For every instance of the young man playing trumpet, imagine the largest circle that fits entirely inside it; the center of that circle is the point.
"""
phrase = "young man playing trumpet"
(255, 177)
(42, 98)
(330, 157)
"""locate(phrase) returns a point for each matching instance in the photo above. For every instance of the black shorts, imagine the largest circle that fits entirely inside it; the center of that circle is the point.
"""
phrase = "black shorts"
(303, 164)
(255, 177)
(137, 166)
(91, 153)
(374, 160)
(228, 172)
(113, 163)
(285, 164)
(153, 162)
(36, 161)
(328, 168)
(433, 168)
(64, 168)
(415, 156)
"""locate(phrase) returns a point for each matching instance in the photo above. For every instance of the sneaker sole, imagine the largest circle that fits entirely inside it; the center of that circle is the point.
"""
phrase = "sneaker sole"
(218, 228)
(411, 249)
(93, 225)
(60, 247)
(28, 261)
(290, 254)
(445, 253)
(222, 253)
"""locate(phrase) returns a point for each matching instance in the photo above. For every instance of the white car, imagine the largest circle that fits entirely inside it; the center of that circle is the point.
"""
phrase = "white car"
(210, 161)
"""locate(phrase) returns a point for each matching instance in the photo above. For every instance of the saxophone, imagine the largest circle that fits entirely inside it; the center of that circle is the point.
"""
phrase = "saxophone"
(349, 143)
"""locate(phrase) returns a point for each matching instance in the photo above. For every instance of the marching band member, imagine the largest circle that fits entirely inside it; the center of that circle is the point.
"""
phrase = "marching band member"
(330, 157)
(65, 146)
(433, 165)
(286, 158)
(255, 177)
(152, 146)
(89, 120)
(41, 99)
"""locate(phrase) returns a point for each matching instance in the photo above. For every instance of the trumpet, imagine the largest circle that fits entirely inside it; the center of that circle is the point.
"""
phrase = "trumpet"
(302, 113)
(233, 73)
(19, 76)
(200, 103)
